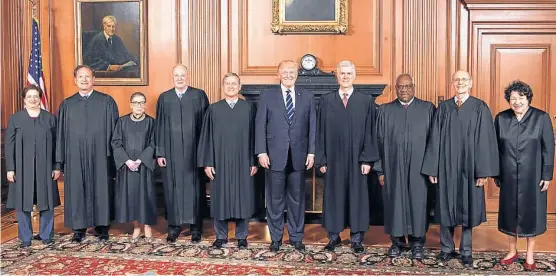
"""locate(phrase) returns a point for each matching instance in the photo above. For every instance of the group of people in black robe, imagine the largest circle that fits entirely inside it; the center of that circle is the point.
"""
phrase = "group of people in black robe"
(408, 143)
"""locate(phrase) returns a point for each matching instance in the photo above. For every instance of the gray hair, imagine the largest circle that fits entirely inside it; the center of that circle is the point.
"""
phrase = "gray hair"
(345, 63)
(405, 75)
(109, 18)
(231, 74)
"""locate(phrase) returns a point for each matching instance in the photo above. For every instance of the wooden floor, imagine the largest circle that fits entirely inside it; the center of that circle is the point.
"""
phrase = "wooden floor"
(484, 237)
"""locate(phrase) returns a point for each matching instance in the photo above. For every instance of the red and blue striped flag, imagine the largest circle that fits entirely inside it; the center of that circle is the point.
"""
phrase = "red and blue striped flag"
(35, 75)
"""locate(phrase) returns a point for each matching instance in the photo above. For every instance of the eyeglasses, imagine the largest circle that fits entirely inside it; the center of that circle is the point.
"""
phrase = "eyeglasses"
(405, 86)
(461, 80)
(138, 103)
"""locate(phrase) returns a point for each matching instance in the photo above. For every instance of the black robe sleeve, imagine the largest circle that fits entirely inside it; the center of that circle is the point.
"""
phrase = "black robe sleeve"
(10, 145)
(120, 155)
(379, 130)
(60, 136)
(160, 123)
(487, 160)
(369, 154)
(205, 150)
(252, 159)
(547, 148)
(147, 156)
(320, 151)
(432, 153)
(111, 118)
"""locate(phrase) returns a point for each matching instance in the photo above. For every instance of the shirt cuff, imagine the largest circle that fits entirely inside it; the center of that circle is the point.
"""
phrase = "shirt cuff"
(311, 154)
(261, 154)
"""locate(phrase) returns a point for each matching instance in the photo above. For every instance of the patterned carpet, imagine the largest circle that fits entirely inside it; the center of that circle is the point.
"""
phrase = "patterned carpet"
(120, 256)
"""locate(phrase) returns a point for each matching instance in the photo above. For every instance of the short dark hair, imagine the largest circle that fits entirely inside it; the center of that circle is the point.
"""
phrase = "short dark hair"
(135, 94)
(29, 88)
(83, 66)
(520, 87)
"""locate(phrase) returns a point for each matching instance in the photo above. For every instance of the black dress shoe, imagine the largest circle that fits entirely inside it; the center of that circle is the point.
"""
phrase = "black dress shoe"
(394, 251)
(47, 242)
(103, 237)
(242, 243)
(171, 238)
(218, 243)
(298, 245)
(275, 246)
(37, 237)
(331, 245)
(25, 244)
(77, 238)
(418, 253)
(195, 237)
(357, 247)
(444, 257)
(467, 261)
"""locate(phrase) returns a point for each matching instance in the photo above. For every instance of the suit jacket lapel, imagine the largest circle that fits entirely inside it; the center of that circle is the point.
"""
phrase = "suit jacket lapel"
(299, 99)
(281, 99)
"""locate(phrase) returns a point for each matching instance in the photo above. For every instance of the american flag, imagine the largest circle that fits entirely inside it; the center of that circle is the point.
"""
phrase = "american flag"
(35, 75)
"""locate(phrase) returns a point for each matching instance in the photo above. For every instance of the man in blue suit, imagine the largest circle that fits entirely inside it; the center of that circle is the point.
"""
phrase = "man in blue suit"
(285, 128)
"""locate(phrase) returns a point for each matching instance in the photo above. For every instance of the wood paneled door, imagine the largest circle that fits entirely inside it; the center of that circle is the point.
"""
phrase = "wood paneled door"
(507, 45)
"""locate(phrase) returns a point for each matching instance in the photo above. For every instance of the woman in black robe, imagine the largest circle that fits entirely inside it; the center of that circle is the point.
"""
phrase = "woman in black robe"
(526, 146)
(132, 143)
(31, 171)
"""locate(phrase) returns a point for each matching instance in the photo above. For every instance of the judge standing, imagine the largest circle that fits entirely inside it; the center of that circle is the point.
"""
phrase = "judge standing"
(346, 148)
(461, 154)
(30, 166)
(226, 152)
(402, 133)
(285, 145)
(526, 144)
(85, 123)
(179, 117)
(133, 146)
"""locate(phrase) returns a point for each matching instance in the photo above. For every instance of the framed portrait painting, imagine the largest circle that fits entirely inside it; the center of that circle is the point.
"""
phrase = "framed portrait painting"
(111, 39)
(309, 16)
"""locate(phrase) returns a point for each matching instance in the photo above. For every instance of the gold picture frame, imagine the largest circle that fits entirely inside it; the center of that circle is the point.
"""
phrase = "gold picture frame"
(111, 38)
(309, 16)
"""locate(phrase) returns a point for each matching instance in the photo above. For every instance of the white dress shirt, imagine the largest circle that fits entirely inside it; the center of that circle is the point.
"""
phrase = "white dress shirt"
(230, 101)
(410, 101)
(342, 92)
(292, 94)
(462, 100)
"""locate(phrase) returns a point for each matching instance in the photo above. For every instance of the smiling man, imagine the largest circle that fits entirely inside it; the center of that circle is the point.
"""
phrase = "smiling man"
(85, 123)
(402, 133)
(346, 148)
(106, 50)
(461, 154)
(285, 145)
(179, 117)
(226, 153)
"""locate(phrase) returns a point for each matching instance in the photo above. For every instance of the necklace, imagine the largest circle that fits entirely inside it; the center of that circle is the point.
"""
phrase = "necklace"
(137, 119)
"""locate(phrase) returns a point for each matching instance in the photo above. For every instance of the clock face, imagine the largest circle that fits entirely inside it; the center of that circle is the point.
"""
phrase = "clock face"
(308, 62)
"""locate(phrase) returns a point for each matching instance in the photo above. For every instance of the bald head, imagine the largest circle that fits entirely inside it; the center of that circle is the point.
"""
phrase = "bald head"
(461, 80)
(181, 77)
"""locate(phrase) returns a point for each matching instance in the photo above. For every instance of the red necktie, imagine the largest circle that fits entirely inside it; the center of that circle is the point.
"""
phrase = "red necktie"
(345, 99)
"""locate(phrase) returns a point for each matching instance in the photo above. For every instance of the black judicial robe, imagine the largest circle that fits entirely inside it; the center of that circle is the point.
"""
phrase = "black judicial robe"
(526, 157)
(135, 192)
(345, 140)
(462, 147)
(402, 135)
(83, 147)
(29, 149)
(227, 144)
(178, 127)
